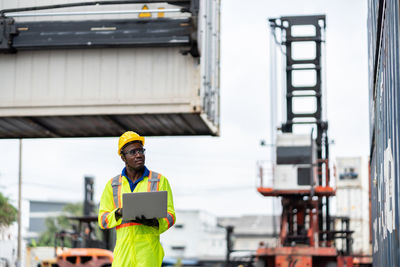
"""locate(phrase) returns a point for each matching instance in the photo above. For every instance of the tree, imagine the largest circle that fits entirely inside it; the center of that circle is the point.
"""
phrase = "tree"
(8, 213)
(57, 224)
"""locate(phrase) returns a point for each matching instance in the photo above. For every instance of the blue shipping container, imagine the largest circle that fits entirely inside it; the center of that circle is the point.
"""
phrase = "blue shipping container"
(383, 29)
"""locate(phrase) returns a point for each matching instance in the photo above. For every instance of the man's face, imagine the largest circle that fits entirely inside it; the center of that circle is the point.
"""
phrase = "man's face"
(133, 156)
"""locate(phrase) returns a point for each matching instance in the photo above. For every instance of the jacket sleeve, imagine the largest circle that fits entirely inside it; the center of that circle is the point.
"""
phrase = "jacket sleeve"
(169, 221)
(107, 209)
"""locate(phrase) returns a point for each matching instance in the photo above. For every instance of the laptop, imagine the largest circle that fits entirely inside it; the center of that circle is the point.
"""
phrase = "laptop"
(147, 204)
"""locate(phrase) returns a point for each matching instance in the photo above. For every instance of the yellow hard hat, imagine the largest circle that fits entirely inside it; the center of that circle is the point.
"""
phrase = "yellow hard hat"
(127, 137)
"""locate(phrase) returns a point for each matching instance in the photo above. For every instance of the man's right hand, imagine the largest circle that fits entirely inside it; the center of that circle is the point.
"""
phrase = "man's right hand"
(118, 214)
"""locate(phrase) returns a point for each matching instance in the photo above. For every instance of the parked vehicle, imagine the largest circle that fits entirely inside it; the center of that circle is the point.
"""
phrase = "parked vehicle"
(81, 257)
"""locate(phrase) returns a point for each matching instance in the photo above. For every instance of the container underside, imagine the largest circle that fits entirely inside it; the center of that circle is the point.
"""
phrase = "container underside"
(172, 124)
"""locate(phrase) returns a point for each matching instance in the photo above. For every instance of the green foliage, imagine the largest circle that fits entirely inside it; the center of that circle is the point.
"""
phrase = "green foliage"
(74, 209)
(178, 262)
(8, 214)
(57, 224)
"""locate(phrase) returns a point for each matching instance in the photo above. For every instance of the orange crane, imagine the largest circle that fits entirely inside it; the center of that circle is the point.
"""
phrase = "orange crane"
(301, 169)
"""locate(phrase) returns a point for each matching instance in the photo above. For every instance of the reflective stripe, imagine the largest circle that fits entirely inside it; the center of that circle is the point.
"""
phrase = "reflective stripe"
(104, 220)
(154, 181)
(129, 221)
(119, 192)
(153, 186)
(149, 183)
(126, 225)
(170, 219)
(116, 187)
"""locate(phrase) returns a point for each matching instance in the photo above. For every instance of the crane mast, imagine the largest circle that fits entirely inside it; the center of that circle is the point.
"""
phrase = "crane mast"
(301, 172)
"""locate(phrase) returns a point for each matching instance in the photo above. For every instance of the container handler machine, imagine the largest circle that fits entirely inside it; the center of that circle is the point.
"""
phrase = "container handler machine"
(86, 249)
(301, 171)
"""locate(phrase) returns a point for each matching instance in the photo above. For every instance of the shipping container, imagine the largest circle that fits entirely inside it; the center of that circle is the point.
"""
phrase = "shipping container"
(167, 84)
(383, 24)
(360, 245)
(352, 200)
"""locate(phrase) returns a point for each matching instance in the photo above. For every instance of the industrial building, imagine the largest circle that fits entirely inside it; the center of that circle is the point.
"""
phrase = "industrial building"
(251, 230)
(196, 236)
(38, 212)
(8, 244)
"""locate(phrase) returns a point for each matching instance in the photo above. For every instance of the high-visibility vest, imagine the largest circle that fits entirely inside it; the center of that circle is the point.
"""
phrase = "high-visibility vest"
(137, 244)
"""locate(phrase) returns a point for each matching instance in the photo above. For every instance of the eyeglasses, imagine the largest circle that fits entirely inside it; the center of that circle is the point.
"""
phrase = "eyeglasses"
(133, 152)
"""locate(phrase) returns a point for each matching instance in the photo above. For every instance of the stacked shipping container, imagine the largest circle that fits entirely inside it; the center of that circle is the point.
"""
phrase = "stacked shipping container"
(352, 200)
(383, 25)
(94, 92)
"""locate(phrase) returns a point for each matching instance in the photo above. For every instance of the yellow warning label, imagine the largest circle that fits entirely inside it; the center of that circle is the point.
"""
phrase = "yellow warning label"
(161, 14)
(145, 14)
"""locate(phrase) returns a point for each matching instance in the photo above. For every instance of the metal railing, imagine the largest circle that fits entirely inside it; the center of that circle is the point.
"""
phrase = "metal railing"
(266, 173)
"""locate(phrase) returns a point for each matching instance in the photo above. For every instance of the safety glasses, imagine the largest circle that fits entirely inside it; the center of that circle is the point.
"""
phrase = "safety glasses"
(135, 151)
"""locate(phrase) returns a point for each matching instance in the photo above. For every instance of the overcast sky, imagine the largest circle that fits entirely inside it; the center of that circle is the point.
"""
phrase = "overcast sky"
(218, 174)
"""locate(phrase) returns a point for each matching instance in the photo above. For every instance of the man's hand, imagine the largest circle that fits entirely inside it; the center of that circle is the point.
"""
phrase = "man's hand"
(149, 222)
(118, 214)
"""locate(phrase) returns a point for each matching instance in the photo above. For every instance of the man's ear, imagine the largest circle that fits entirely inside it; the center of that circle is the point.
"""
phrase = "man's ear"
(123, 158)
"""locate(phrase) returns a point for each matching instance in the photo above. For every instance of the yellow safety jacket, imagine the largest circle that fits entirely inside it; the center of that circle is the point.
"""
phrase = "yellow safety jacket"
(137, 245)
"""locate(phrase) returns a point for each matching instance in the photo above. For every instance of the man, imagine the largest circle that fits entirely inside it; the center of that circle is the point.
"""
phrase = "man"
(138, 241)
